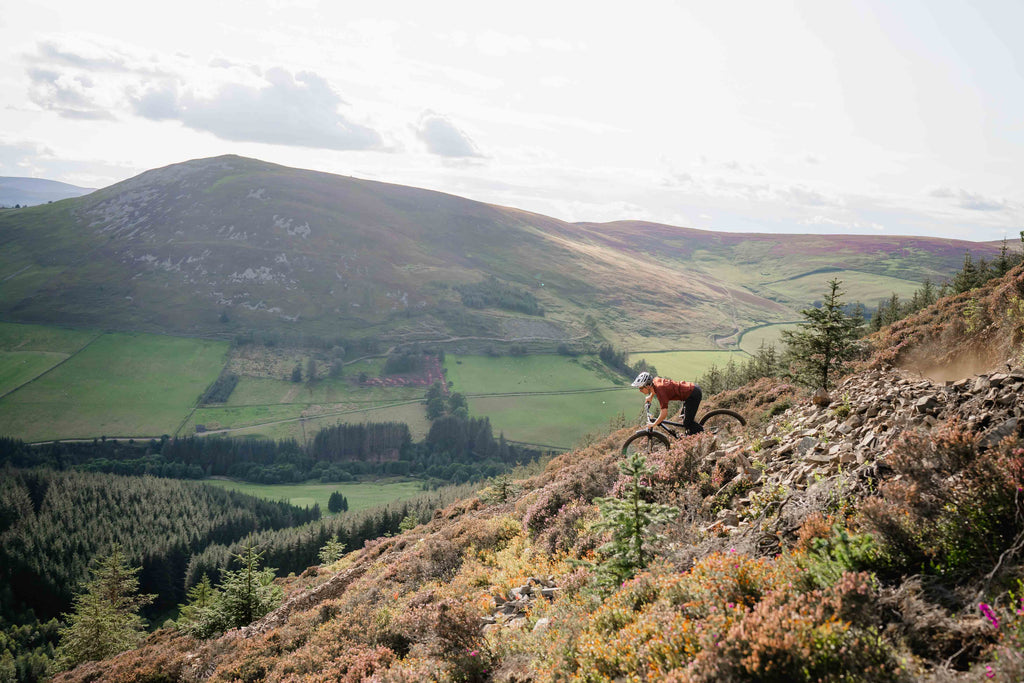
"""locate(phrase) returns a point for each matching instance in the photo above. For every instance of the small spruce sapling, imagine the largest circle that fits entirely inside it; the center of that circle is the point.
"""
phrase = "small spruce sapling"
(632, 521)
(105, 619)
(332, 550)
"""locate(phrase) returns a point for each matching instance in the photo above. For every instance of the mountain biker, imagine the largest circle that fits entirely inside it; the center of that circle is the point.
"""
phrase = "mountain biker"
(666, 390)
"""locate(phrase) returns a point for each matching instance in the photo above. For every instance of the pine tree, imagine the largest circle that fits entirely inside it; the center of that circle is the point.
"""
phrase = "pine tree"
(1002, 265)
(928, 295)
(105, 620)
(201, 616)
(248, 593)
(631, 521)
(821, 347)
(965, 279)
(332, 550)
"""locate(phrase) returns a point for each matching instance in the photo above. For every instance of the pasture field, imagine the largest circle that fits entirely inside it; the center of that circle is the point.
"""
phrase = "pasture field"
(751, 339)
(119, 385)
(265, 391)
(508, 375)
(19, 337)
(866, 288)
(285, 425)
(556, 420)
(18, 367)
(686, 366)
(360, 495)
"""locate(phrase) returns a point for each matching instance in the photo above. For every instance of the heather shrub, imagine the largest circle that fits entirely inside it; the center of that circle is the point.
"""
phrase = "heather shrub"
(582, 482)
(832, 556)
(953, 510)
(823, 635)
(449, 630)
(568, 530)
(354, 665)
(160, 660)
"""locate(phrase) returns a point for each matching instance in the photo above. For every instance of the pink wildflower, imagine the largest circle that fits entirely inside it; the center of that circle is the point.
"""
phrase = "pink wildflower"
(989, 673)
(989, 614)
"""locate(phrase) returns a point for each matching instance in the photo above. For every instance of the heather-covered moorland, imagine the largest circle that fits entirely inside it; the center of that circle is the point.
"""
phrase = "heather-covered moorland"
(877, 536)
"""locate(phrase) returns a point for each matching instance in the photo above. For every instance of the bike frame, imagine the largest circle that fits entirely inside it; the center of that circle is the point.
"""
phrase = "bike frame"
(663, 423)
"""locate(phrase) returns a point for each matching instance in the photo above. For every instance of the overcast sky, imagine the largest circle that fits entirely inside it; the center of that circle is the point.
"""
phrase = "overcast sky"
(884, 117)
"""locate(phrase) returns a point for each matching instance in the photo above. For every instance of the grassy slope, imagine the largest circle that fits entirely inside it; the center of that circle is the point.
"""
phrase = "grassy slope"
(287, 249)
(120, 385)
(507, 391)
(687, 365)
(360, 495)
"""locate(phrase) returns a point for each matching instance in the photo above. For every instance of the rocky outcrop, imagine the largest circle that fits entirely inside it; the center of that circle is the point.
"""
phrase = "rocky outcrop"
(852, 435)
(513, 608)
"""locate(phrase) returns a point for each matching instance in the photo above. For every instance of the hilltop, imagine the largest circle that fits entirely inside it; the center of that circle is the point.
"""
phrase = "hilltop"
(30, 191)
(224, 246)
(852, 542)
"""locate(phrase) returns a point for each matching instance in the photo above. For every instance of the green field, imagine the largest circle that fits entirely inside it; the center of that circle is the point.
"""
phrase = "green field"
(507, 375)
(360, 495)
(18, 337)
(686, 366)
(866, 288)
(272, 408)
(751, 339)
(264, 391)
(119, 385)
(558, 421)
(282, 422)
(18, 367)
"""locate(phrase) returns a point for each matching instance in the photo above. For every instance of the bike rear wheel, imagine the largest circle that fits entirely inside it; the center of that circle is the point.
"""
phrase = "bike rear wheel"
(645, 442)
(723, 422)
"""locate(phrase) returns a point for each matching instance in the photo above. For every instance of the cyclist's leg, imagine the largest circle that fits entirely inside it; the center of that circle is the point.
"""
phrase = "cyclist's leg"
(689, 412)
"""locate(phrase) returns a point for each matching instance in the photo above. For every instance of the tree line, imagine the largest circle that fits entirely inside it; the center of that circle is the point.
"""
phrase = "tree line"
(296, 548)
(337, 453)
(619, 362)
(492, 293)
(971, 275)
(53, 523)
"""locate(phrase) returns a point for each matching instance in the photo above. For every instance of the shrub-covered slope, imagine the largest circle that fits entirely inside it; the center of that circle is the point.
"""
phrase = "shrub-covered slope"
(878, 538)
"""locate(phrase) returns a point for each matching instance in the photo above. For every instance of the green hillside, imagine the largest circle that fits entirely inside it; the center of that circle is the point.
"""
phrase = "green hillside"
(227, 246)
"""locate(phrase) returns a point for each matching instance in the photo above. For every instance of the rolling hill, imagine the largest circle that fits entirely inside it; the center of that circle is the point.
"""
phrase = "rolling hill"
(215, 247)
(32, 191)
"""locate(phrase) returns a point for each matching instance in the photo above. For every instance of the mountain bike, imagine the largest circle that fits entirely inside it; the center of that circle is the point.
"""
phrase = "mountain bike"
(720, 421)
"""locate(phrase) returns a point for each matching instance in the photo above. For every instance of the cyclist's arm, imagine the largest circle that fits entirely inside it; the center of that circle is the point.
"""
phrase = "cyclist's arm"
(661, 417)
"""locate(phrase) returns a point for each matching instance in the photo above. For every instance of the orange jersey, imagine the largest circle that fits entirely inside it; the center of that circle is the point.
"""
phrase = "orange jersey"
(666, 390)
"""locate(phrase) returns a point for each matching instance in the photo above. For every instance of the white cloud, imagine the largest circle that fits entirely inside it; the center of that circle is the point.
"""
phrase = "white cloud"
(286, 109)
(85, 79)
(971, 200)
(444, 138)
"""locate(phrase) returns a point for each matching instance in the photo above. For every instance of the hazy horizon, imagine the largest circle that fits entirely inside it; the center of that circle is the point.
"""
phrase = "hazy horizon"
(791, 117)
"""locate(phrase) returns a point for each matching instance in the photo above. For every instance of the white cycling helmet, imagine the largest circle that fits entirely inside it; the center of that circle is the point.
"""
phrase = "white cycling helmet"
(643, 379)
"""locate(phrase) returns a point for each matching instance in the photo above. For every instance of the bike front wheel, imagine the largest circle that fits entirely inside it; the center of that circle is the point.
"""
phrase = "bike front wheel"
(645, 442)
(723, 422)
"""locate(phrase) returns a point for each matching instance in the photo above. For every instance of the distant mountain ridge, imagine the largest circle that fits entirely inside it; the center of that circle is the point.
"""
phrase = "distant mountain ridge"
(215, 247)
(16, 191)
